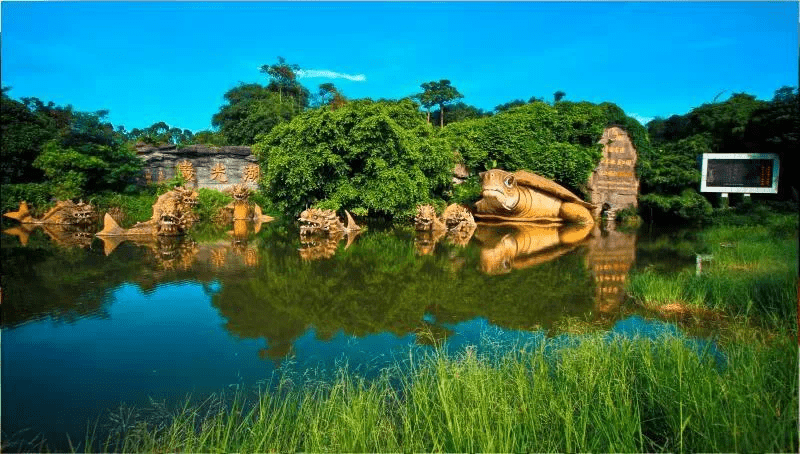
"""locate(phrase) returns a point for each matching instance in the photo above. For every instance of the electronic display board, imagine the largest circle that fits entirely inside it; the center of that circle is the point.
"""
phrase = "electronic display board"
(755, 173)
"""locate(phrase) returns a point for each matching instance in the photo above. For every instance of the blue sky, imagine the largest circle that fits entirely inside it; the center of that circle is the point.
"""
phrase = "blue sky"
(172, 62)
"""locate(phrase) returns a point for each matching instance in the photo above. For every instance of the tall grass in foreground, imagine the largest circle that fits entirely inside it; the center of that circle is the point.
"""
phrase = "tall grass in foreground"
(620, 395)
(753, 273)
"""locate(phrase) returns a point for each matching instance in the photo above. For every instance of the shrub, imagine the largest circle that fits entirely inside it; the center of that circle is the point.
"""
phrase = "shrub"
(376, 158)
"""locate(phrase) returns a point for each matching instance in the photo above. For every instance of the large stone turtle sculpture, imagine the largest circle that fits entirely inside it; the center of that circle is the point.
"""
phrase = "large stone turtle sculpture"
(522, 196)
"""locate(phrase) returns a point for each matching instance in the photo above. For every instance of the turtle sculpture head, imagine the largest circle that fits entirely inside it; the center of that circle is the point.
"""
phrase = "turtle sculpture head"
(500, 191)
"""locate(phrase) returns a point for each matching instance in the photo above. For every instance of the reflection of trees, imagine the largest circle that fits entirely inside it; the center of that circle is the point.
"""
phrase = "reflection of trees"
(380, 284)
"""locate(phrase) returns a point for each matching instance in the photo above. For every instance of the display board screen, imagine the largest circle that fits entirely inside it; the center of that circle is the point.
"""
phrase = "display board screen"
(740, 172)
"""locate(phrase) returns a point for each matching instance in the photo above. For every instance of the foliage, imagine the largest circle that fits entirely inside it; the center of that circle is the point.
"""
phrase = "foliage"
(37, 195)
(603, 394)
(368, 157)
(207, 137)
(688, 206)
(81, 169)
(509, 105)
(438, 93)
(283, 78)
(251, 109)
(159, 133)
(558, 96)
(210, 201)
(741, 124)
(331, 96)
(557, 142)
(458, 112)
(23, 132)
(752, 273)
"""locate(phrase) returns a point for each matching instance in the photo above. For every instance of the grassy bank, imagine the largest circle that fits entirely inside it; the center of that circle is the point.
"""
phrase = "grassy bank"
(752, 274)
(621, 395)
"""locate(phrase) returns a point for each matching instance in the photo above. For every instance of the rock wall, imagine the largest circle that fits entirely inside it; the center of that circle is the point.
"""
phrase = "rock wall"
(201, 165)
(613, 184)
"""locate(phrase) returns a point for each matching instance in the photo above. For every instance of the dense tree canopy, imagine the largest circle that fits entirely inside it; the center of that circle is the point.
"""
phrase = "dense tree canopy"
(252, 109)
(741, 124)
(558, 142)
(48, 150)
(378, 158)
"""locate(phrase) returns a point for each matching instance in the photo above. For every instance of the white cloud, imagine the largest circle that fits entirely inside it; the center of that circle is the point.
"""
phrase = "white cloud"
(324, 73)
(641, 119)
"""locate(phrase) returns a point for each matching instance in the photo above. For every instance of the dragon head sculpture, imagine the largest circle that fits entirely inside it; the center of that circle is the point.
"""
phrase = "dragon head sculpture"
(319, 221)
(426, 219)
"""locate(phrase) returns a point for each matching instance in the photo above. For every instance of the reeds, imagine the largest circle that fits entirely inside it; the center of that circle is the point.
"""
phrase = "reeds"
(595, 394)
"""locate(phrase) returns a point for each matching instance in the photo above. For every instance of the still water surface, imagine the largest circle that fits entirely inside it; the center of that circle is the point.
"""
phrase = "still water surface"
(89, 325)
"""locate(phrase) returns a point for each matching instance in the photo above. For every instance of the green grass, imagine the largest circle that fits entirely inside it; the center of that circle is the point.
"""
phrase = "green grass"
(753, 274)
(619, 396)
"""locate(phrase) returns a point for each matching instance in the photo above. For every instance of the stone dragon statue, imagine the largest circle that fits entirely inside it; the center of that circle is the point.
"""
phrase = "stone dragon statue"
(173, 215)
(522, 196)
(241, 209)
(66, 212)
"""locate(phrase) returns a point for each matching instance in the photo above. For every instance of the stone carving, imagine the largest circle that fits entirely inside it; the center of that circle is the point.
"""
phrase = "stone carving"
(187, 171)
(66, 212)
(148, 177)
(161, 176)
(172, 215)
(613, 184)
(251, 173)
(426, 220)
(319, 221)
(460, 224)
(509, 246)
(218, 173)
(241, 209)
(235, 160)
(527, 197)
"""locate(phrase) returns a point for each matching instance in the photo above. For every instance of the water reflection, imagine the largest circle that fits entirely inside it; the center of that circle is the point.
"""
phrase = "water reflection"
(63, 235)
(611, 256)
(323, 245)
(509, 246)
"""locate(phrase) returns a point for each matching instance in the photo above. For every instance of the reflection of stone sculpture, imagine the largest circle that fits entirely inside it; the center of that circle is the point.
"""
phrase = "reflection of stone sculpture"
(62, 234)
(523, 196)
(460, 224)
(172, 215)
(520, 245)
(611, 255)
(66, 212)
(321, 231)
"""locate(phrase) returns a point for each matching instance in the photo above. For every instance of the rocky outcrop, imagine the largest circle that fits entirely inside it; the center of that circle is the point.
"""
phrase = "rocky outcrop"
(202, 166)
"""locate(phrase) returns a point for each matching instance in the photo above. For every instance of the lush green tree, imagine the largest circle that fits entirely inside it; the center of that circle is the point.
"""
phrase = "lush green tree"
(251, 109)
(377, 158)
(438, 93)
(23, 133)
(207, 137)
(509, 105)
(458, 112)
(560, 144)
(331, 96)
(283, 79)
(558, 96)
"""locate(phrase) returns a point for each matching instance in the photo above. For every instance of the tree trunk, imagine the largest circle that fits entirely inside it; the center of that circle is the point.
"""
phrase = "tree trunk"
(429, 115)
(441, 115)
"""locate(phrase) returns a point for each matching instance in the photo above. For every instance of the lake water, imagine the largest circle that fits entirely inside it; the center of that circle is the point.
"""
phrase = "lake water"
(90, 325)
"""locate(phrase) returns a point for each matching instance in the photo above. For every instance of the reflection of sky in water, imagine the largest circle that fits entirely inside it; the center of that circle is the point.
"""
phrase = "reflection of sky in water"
(170, 341)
